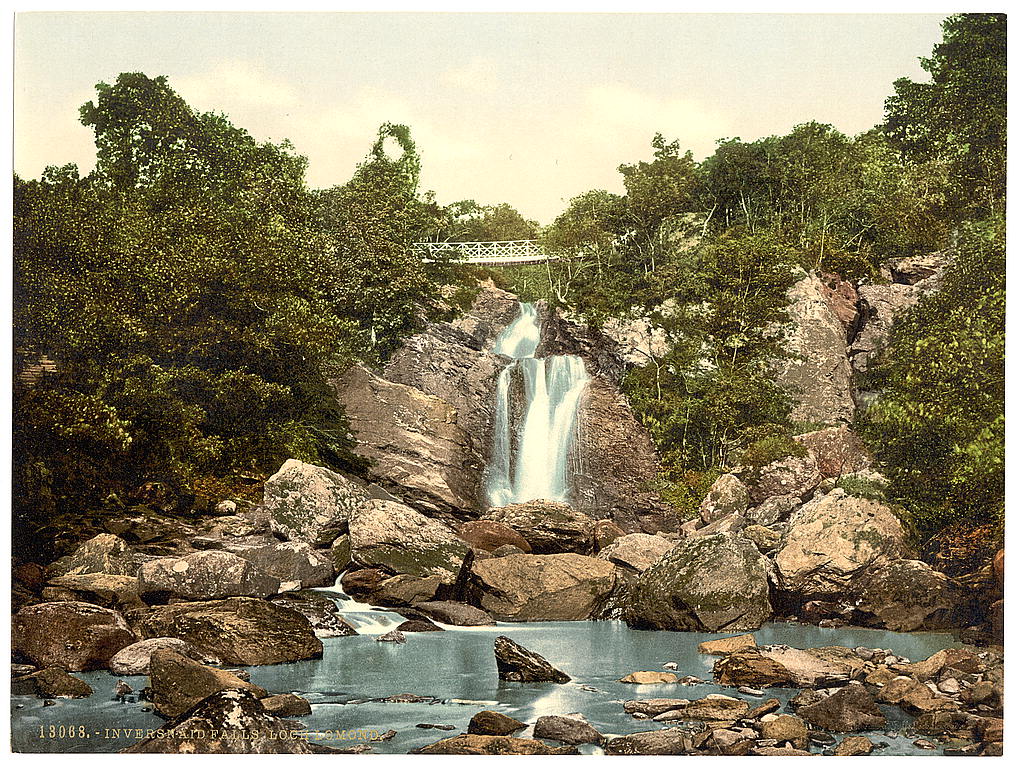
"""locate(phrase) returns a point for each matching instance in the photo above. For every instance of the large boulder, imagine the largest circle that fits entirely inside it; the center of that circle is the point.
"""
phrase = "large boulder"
(294, 563)
(413, 439)
(636, 551)
(708, 583)
(488, 535)
(236, 631)
(661, 742)
(308, 503)
(567, 729)
(837, 451)
(750, 668)
(906, 595)
(178, 682)
(105, 553)
(850, 709)
(135, 659)
(404, 590)
(817, 371)
(398, 539)
(207, 575)
(50, 683)
(71, 636)
(229, 721)
(728, 497)
(882, 305)
(549, 527)
(516, 663)
(490, 722)
(103, 589)
(834, 540)
(553, 587)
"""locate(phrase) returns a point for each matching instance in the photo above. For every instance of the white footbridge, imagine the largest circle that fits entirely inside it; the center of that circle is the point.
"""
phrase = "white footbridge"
(520, 251)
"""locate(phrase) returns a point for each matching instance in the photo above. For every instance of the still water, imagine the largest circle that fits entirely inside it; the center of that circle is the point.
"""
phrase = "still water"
(457, 668)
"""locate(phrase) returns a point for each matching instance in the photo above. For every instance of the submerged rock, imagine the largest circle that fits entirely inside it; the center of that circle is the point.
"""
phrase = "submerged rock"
(71, 636)
(709, 583)
(493, 745)
(528, 587)
(516, 663)
(50, 683)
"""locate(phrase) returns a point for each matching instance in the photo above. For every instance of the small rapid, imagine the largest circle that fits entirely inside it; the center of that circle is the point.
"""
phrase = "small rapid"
(531, 453)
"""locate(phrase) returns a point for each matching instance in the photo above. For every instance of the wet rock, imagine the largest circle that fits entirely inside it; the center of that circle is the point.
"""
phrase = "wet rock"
(854, 745)
(179, 683)
(286, 705)
(71, 636)
(206, 575)
(516, 663)
(850, 709)
(721, 647)
(309, 503)
(230, 721)
(810, 668)
(362, 582)
(103, 589)
(605, 532)
(49, 683)
(649, 677)
(493, 745)
(818, 372)
(861, 535)
(490, 535)
(394, 537)
(572, 729)
(530, 587)
(913, 696)
(654, 707)
(750, 668)
(293, 563)
(713, 707)
(104, 553)
(490, 722)
(728, 497)
(413, 439)
(395, 636)
(708, 583)
(341, 552)
(405, 589)
(549, 527)
(766, 707)
(787, 729)
(236, 631)
(906, 595)
(662, 742)
(457, 614)
(837, 451)
(636, 551)
(134, 659)
(418, 625)
(320, 611)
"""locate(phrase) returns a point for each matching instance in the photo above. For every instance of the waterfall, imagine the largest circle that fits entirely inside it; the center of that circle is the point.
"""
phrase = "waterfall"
(542, 439)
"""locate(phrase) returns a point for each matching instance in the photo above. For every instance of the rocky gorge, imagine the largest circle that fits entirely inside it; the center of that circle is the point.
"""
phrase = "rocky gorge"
(244, 619)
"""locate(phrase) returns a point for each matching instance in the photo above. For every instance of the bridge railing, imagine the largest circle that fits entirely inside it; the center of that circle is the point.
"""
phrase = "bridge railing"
(523, 251)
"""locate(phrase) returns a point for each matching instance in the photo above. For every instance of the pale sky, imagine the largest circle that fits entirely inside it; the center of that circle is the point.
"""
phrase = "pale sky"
(529, 109)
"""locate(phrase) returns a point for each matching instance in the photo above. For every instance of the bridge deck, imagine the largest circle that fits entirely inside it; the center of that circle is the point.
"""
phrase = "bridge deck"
(505, 252)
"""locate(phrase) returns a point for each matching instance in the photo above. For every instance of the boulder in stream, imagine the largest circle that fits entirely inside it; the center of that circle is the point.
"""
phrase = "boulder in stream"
(549, 527)
(516, 663)
(178, 683)
(71, 636)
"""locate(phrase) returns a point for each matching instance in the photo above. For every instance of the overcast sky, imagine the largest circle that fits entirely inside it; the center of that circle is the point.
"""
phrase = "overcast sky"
(531, 109)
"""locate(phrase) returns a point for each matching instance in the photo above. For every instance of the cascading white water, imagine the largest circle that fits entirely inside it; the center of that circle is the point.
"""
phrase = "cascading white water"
(542, 440)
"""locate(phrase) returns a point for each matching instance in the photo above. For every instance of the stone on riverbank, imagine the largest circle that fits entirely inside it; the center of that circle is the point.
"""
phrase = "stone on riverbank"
(134, 659)
(206, 575)
(50, 683)
(710, 583)
(489, 535)
(490, 722)
(456, 614)
(572, 729)
(661, 742)
(850, 709)
(493, 745)
(71, 636)
(516, 663)
(179, 683)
